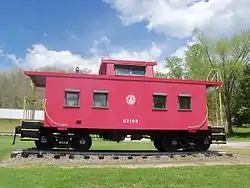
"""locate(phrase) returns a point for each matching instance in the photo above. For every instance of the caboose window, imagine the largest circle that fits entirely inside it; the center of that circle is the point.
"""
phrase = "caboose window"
(122, 69)
(184, 102)
(101, 99)
(130, 70)
(159, 101)
(72, 98)
(138, 70)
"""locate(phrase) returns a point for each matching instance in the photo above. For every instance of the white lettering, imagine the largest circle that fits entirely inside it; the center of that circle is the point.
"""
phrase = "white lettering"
(130, 121)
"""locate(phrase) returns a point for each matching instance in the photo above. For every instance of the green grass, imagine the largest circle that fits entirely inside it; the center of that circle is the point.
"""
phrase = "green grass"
(6, 145)
(240, 134)
(37, 176)
(188, 177)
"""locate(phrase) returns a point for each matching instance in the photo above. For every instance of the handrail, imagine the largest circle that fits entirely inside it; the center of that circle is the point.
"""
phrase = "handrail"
(217, 73)
(29, 104)
(217, 77)
(29, 109)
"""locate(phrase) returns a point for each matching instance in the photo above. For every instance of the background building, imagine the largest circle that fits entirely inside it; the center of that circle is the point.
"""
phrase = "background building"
(9, 118)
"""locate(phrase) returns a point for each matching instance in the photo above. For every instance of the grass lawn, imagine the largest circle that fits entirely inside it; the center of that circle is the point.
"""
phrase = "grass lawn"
(240, 134)
(206, 176)
(209, 176)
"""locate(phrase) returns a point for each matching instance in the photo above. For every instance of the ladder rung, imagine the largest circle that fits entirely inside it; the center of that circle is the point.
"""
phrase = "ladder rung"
(218, 134)
(219, 142)
(28, 139)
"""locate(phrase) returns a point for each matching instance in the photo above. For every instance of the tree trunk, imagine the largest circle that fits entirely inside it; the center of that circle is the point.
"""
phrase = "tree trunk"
(229, 124)
(228, 110)
(229, 119)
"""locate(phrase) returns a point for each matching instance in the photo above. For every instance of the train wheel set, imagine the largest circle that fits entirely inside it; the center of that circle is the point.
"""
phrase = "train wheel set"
(79, 142)
(83, 142)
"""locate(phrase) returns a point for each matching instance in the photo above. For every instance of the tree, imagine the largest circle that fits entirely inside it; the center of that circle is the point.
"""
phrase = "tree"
(176, 67)
(242, 110)
(15, 86)
(229, 56)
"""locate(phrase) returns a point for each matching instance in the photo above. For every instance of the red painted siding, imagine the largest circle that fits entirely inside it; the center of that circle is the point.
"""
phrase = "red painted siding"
(118, 90)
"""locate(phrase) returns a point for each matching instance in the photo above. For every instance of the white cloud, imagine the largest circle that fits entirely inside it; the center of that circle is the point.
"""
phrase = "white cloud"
(149, 54)
(180, 52)
(99, 45)
(39, 56)
(179, 18)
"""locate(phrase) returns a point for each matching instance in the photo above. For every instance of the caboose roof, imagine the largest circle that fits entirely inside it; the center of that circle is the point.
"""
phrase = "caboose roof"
(128, 62)
(39, 78)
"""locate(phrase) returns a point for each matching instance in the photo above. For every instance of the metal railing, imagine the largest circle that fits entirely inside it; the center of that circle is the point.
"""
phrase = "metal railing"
(30, 104)
(216, 107)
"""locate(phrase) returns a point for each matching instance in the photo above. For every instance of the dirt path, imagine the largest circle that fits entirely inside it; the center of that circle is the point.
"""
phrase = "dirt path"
(239, 145)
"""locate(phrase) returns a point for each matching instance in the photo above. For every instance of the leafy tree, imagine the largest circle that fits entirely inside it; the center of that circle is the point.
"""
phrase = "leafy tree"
(229, 56)
(242, 110)
(15, 86)
(176, 67)
(159, 74)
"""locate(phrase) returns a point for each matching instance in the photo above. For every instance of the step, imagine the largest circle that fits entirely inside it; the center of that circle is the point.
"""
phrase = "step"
(216, 129)
(218, 134)
(28, 139)
(219, 142)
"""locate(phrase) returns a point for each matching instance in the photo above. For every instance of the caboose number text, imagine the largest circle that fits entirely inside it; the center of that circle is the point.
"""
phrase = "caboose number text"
(129, 121)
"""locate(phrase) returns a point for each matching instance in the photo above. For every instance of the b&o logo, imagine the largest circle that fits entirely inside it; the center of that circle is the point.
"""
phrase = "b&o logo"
(130, 99)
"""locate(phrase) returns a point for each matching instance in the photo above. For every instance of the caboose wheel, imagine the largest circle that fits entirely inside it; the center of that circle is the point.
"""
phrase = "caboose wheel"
(158, 144)
(44, 142)
(169, 144)
(81, 142)
(202, 144)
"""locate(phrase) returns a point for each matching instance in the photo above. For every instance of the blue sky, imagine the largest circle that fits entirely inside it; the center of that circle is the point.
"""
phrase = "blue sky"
(75, 26)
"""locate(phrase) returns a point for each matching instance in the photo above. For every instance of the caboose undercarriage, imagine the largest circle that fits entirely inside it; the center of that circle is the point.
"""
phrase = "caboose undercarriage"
(81, 139)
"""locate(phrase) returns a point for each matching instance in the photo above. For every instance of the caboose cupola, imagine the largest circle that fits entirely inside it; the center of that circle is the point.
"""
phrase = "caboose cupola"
(127, 68)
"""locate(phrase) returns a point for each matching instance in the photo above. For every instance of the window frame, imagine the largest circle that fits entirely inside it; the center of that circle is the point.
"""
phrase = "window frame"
(130, 69)
(157, 94)
(190, 99)
(105, 92)
(71, 91)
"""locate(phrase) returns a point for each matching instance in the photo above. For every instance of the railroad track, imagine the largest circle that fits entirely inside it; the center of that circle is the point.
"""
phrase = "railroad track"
(113, 154)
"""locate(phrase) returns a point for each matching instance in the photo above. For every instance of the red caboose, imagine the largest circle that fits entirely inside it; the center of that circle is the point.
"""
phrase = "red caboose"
(123, 99)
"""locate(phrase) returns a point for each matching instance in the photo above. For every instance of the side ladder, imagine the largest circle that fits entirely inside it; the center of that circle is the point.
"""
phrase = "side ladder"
(216, 127)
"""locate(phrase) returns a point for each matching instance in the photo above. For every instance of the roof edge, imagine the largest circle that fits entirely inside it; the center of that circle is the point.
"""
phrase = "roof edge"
(112, 77)
(128, 62)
